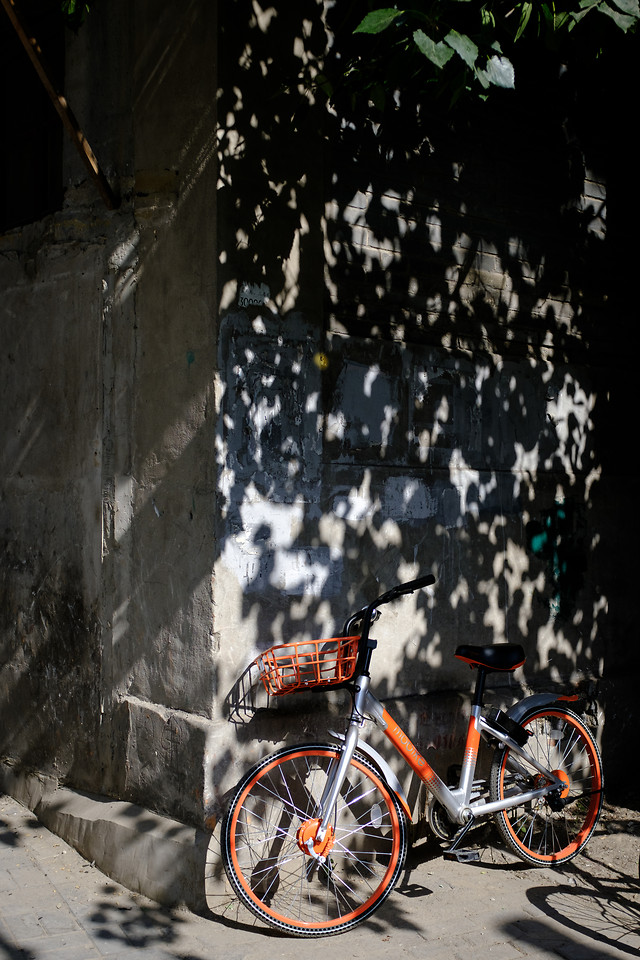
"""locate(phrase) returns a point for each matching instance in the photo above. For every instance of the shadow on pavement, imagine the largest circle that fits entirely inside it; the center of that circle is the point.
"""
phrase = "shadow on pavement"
(10, 831)
(606, 909)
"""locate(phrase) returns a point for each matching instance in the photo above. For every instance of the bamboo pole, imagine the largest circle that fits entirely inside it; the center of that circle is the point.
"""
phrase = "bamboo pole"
(60, 104)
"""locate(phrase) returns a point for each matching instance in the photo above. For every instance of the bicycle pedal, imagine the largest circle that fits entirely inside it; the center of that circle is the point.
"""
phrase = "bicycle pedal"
(462, 856)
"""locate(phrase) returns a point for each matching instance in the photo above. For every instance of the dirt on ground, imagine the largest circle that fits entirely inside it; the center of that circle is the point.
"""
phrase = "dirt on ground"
(615, 846)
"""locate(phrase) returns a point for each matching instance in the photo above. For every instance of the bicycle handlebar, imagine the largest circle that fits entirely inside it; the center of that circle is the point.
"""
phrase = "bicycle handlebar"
(403, 588)
(368, 614)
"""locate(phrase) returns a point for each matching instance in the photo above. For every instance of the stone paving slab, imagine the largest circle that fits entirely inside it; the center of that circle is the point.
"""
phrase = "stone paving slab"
(56, 906)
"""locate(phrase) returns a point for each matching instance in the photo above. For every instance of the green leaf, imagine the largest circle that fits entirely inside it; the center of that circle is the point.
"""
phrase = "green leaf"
(585, 7)
(378, 20)
(488, 19)
(630, 7)
(622, 20)
(75, 11)
(463, 46)
(438, 53)
(525, 14)
(499, 71)
(555, 19)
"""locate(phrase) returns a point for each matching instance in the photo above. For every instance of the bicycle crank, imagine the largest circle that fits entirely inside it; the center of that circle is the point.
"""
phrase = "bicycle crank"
(442, 826)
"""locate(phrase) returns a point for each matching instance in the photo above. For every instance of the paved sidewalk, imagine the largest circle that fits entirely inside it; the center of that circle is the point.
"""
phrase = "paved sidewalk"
(53, 904)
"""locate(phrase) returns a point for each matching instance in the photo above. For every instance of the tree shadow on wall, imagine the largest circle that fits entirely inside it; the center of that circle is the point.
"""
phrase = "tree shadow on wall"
(421, 375)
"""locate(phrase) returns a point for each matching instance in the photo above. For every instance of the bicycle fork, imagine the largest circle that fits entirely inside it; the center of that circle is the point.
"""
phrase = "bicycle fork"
(338, 772)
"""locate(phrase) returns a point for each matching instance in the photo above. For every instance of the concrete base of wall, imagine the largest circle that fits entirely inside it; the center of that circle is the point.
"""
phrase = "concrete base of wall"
(160, 858)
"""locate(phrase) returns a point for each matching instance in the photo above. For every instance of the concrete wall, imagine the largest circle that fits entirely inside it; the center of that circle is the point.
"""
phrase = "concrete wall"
(291, 369)
(108, 489)
(158, 545)
(415, 374)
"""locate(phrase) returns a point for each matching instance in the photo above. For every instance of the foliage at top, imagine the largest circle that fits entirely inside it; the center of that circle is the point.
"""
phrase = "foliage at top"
(75, 11)
(452, 48)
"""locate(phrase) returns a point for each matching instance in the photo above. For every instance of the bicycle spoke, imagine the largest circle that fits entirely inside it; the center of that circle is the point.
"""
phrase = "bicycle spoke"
(284, 884)
(554, 827)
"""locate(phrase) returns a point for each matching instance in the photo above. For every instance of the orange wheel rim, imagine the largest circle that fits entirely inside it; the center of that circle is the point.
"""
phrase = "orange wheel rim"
(594, 802)
(349, 917)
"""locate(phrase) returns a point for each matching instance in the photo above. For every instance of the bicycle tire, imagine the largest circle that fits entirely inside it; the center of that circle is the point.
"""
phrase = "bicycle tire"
(554, 829)
(282, 884)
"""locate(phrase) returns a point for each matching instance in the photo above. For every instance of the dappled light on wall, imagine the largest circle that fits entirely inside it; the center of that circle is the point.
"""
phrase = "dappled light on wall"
(405, 319)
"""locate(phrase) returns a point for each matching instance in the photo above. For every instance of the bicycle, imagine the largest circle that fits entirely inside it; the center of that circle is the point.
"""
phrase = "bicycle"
(315, 836)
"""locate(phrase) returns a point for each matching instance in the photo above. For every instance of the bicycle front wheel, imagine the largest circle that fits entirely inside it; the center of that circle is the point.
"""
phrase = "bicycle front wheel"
(551, 829)
(266, 851)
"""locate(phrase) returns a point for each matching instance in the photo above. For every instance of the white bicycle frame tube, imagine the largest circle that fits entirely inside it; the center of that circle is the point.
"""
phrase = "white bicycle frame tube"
(457, 802)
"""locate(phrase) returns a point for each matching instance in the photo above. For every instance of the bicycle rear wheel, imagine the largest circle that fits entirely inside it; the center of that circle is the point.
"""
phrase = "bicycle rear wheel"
(552, 829)
(273, 815)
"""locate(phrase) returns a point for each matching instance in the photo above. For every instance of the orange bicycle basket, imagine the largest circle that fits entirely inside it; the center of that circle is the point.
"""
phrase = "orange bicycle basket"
(312, 663)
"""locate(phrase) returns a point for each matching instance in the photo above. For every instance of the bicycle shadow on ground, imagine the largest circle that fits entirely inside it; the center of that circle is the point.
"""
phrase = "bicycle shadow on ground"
(481, 839)
(604, 908)
(541, 934)
(608, 917)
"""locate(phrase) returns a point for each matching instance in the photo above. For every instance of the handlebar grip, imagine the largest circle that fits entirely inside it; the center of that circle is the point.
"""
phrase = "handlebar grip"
(413, 585)
(367, 615)
(401, 589)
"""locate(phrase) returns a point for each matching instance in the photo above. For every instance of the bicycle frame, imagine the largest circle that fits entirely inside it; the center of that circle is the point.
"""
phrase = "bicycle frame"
(457, 802)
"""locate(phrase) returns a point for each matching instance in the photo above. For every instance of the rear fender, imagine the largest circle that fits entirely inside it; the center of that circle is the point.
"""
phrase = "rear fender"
(518, 710)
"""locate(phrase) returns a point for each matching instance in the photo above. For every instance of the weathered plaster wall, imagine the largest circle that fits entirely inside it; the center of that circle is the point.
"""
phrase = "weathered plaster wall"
(388, 460)
(108, 489)
(158, 544)
(415, 374)
(51, 478)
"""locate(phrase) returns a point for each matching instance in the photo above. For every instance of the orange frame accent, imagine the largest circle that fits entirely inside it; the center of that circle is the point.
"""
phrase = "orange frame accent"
(410, 752)
(420, 766)
(472, 743)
